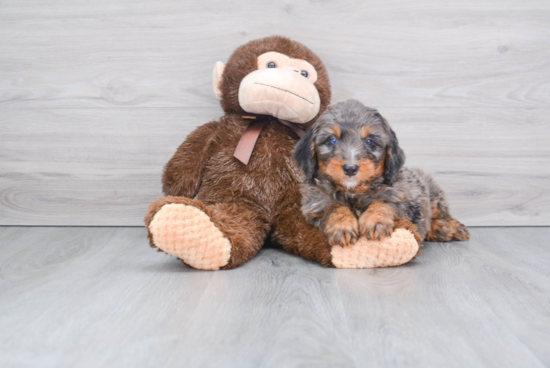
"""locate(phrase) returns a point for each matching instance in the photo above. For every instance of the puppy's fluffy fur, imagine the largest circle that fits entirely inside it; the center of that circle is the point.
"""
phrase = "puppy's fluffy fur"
(356, 184)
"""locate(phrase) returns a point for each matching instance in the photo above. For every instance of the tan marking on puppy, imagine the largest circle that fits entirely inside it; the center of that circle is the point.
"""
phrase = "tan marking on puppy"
(377, 221)
(362, 188)
(365, 132)
(445, 228)
(342, 227)
(332, 168)
(336, 130)
(440, 230)
(460, 232)
(368, 171)
(313, 149)
(436, 211)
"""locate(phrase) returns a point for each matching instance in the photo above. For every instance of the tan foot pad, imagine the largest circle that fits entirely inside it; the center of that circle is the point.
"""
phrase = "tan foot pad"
(396, 250)
(187, 233)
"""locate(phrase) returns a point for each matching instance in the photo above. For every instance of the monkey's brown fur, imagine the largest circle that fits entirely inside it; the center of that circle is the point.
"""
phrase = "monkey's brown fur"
(375, 190)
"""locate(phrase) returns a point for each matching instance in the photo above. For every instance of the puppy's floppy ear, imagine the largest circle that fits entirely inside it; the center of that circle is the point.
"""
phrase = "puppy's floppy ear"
(304, 154)
(395, 158)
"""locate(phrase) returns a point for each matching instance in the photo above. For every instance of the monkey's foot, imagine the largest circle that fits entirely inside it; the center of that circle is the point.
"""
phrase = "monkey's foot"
(395, 250)
(188, 233)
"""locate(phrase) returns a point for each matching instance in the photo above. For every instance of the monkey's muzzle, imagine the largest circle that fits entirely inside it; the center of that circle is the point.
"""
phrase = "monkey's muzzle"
(282, 93)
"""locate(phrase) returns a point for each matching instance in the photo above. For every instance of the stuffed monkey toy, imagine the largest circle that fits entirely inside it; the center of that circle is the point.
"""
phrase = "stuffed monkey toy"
(233, 183)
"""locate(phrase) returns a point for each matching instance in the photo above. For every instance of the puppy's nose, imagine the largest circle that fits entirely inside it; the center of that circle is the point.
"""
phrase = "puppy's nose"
(350, 169)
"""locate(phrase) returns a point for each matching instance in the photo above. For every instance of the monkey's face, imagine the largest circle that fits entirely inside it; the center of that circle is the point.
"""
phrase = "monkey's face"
(273, 76)
(282, 87)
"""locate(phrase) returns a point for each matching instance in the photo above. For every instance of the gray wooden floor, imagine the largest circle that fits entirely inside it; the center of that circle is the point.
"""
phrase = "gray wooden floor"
(95, 297)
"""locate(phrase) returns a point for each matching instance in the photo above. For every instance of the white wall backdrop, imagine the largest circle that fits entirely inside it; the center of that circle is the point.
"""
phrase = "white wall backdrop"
(95, 96)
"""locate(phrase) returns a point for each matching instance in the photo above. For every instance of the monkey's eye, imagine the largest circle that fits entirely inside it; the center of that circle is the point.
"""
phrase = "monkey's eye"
(304, 73)
(271, 64)
(333, 141)
(369, 142)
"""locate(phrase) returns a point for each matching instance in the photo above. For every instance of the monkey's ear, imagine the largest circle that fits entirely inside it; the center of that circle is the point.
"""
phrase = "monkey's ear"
(305, 156)
(217, 77)
(395, 158)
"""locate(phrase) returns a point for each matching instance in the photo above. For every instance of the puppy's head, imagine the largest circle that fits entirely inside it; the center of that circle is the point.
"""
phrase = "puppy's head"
(352, 145)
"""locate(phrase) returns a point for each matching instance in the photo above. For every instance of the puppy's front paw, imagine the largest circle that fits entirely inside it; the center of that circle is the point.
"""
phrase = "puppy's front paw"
(342, 227)
(375, 226)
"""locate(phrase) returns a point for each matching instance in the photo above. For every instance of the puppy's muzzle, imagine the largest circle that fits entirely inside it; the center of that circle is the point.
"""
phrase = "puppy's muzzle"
(350, 169)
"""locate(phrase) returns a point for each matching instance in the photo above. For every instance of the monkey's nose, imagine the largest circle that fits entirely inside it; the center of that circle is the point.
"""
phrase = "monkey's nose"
(350, 169)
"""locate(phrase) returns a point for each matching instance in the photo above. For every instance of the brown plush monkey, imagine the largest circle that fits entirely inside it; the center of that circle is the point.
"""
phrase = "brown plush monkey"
(233, 183)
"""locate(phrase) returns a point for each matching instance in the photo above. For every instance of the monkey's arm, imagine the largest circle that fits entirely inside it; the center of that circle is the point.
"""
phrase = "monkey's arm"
(331, 217)
(182, 174)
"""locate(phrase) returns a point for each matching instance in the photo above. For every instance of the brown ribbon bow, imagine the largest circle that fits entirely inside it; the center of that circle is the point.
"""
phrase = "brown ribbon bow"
(252, 133)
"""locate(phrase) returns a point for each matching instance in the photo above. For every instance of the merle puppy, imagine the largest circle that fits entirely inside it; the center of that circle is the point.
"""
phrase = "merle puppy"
(356, 184)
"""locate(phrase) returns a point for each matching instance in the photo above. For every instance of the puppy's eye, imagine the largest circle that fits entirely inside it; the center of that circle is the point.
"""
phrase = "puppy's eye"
(333, 141)
(271, 64)
(369, 142)
(304, 73)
